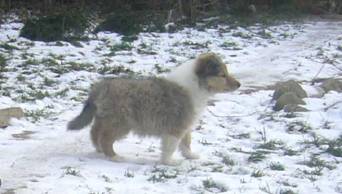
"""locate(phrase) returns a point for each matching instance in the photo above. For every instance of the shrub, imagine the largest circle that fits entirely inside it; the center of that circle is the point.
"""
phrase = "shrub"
(133, 22)
(64, 25)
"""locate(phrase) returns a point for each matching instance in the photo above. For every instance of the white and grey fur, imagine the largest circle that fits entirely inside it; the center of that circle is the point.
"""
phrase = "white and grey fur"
(160, 107)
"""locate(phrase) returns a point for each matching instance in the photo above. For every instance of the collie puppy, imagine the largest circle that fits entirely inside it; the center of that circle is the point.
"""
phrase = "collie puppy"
(160, 107)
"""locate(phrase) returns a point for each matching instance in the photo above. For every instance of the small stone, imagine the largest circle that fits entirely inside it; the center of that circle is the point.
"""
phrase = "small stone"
(289, 86)
(294, 108)
(286, 99)
(332, 85)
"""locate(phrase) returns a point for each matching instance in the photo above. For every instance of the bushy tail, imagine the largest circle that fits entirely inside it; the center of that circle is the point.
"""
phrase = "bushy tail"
(84, 118)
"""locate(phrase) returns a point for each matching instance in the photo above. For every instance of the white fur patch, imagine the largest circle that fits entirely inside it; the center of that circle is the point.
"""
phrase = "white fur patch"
(184, 75)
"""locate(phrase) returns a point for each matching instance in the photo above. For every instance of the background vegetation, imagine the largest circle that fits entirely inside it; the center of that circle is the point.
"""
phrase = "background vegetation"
(52, 20)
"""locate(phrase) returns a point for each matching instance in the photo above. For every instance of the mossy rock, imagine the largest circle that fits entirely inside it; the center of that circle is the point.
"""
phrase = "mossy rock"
(294, 108)
(8, 113)
(289, 86)
(56, 27)
(332, 85)
(133, 22)
(289, 98)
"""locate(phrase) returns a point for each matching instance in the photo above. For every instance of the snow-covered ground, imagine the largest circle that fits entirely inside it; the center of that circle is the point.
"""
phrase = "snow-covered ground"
(245, 146)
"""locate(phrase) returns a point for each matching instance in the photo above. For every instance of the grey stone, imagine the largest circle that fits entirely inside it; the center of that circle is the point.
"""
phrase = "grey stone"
(289, 86)
(332, 85)
(287, 99)
(8, 113)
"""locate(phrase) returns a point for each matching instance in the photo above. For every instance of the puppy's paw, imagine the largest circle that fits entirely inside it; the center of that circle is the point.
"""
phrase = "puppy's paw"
(117, 158)
(171, 162)
(191, 156)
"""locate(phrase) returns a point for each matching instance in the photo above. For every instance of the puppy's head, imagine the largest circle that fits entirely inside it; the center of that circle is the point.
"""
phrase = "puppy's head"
(213, 75)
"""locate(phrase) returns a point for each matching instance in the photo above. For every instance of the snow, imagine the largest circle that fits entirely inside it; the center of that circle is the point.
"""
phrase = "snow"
(38, 155)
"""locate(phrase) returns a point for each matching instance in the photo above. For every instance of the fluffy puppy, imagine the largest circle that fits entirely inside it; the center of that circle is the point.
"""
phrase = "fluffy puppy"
(160, 107)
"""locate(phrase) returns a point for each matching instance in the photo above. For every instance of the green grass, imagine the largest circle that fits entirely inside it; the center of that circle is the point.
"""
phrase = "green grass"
(8, 47)
(36, 115)
(271, 145)
(256, 156)
(159, 174)
(277, 166)
(123, 46)
(68, 170)
(339, 48)
(257, 173)
(335, 147)
(213, 186)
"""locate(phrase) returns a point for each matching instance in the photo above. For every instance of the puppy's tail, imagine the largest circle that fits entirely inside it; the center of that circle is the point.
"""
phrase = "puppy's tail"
(84, 118)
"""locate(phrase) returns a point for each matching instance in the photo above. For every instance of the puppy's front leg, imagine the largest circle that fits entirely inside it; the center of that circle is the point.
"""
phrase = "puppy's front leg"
(169, 145)
(185, 148)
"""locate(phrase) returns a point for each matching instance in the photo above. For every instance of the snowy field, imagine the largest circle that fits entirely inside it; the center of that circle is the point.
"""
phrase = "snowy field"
(245, 146)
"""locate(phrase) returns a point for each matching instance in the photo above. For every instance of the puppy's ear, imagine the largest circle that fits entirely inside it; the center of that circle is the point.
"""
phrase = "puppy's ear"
(208, 65)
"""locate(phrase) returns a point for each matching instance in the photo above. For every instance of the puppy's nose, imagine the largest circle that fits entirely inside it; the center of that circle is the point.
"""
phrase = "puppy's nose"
(238, 84)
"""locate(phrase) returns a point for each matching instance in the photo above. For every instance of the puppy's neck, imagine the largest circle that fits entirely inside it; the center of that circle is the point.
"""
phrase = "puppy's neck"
(185, 76)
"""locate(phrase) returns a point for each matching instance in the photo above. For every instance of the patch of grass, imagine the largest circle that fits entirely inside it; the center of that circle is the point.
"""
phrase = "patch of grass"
(50, 62)
(271, 145)
(256, 156)
(196, 45)
(228, 161)
(36, 115)
(68, 170)
(3, 62)
(129, 173)
(298, 126)
(287, 191)
(21, 78)
(230, 45)
(257, 173)
(277, 166)
(241, 136)
(242, 35)
(80, 66)
(146, 49)
(116, 70)
(264, 34)
(335, 147)
(37, 95)
(49, 82)
(318, 165)
(106, 179)
(62, 93)
(225, 159)
(339, 47)
(213, 186)
(290, 152)
(162, 174)
(8, 47)
(123, 46)
(160, 69)
(287, 184)
(30, 62)
(316, 140)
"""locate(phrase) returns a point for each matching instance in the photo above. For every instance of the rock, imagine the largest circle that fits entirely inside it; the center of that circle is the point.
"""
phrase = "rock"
(332, 85)
(8, 113)
(287, 99)
(289, 86)
(294, 108)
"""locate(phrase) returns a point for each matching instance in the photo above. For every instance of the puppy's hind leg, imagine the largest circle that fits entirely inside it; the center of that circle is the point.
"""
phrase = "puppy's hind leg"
(185, 148)
(95, 135)
(107, 138)
(168, 145)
